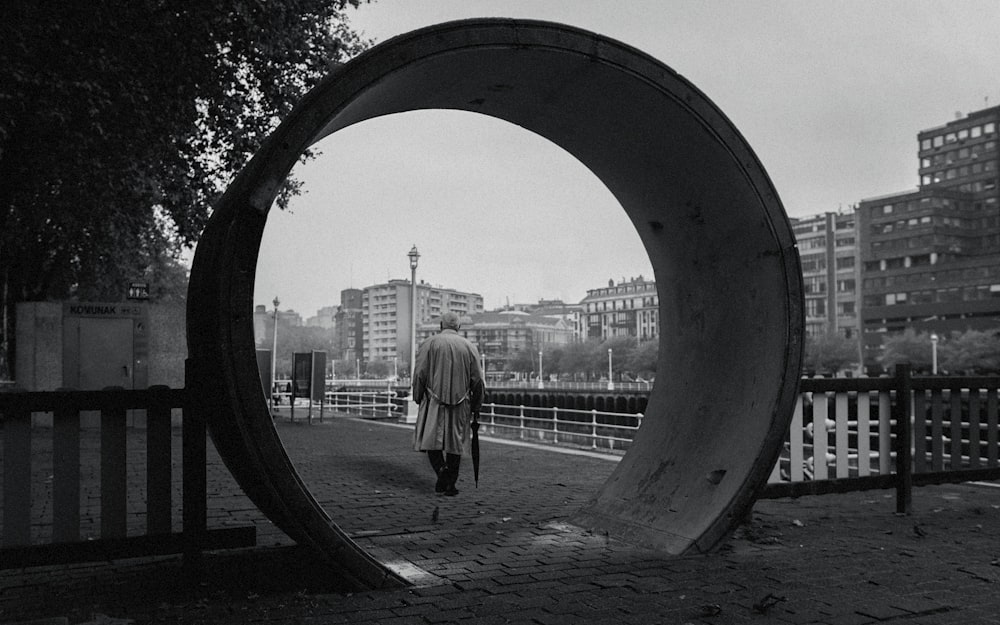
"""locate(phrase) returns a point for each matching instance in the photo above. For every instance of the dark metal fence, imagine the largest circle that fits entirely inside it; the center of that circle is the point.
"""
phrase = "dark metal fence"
(85, 435)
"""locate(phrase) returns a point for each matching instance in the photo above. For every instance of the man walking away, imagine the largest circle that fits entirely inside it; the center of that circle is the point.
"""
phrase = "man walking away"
(448, 386)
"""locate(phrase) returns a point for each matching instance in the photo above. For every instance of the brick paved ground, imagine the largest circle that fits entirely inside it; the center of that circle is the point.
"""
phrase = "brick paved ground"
(503, 553)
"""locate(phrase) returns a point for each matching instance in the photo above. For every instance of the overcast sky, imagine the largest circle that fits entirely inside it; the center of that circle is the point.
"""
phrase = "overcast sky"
(830, 95)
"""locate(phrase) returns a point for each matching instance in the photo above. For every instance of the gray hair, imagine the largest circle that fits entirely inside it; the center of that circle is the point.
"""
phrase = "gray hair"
(450, 320)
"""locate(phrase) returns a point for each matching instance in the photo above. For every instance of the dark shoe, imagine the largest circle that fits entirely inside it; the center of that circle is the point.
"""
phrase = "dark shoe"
(451, 491)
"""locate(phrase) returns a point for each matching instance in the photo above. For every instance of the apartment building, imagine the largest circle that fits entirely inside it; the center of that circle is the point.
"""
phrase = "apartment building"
(385, 317)
(348, 325)
(931, 256)
(627, 308)
(830, 272)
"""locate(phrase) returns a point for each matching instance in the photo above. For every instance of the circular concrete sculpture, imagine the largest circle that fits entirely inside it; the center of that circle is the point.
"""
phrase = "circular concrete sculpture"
(723, 253)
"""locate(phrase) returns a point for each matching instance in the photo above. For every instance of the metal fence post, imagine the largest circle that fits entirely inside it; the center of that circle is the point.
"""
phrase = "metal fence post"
(904, 463)
(593, 429)
(555, 424)
(521, 415)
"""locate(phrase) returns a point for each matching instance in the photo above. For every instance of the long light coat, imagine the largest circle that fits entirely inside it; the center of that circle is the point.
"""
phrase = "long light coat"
(448, 386)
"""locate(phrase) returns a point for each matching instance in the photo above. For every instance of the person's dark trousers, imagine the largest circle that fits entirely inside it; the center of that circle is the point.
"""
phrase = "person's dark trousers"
(436, 456)
(454, 461)
(445, 469)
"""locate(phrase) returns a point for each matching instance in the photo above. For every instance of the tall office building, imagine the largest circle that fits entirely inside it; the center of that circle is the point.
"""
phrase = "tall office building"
(386, 315)
(348, 325)
(830, 272)
(325, 318)
(931, 257)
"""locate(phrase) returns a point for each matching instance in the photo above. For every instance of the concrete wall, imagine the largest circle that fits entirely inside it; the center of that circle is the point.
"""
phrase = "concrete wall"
(38, 362)
(39, 358)
(167, 344)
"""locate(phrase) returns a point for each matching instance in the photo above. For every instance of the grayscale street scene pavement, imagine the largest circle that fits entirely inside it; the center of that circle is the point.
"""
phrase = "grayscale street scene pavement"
(504, 552)
(699, 321)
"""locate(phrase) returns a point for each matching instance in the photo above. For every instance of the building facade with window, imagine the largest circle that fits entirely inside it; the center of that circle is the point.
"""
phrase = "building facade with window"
(347, 324)
(501, 335)
(931, 257)
(830, 272)
(325, 318)
(263, 324)
(629, 308)
(385, 317)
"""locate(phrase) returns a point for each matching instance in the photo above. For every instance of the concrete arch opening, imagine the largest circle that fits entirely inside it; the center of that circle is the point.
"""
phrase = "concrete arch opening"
(722, 251)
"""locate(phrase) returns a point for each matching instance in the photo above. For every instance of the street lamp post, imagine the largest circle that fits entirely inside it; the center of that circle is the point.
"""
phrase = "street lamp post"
(611, 384)
(414, 256)
(934, 343)
(541, 384)
(274, 351)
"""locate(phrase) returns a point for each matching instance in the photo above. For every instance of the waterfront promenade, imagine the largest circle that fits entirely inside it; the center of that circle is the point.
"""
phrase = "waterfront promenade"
(504, 552)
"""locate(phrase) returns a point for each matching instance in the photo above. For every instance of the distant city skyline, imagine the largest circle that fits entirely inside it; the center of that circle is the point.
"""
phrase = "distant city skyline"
(831, 112)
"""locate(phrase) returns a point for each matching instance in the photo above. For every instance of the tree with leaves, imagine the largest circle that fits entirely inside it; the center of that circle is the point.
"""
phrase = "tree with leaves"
(908, 346)
(972, 352)
(522, 361)
(301, 340)
(622, 348)
(121, 123)
(643, 359)
(829, 353)
(577, 359)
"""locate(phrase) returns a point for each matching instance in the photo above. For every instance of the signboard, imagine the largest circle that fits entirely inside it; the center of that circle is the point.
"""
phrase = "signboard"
(138, 290)
(309, 375)
(107, 311)
(318, 386)
(301, 374)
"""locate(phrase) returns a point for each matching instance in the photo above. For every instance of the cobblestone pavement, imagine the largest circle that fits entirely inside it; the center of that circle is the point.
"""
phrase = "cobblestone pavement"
(504, 553)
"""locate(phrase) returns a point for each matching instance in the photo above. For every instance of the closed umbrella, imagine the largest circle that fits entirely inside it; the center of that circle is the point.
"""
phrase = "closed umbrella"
(475, 447)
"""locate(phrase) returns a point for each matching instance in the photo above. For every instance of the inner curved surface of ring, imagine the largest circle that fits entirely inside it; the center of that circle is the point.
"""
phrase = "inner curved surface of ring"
(722, 250)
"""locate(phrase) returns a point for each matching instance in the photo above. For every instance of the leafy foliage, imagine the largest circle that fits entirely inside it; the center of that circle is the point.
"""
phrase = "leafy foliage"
(121, 122)
(301, 340)
(971, 352)
(830, 353)
(908, 346)
(589, 359)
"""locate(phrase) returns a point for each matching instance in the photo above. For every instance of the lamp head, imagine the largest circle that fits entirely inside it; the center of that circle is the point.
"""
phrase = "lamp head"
(414, 256)
(276, 302)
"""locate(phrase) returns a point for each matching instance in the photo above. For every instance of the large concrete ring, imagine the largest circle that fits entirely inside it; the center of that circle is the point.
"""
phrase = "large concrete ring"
(723, 253)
